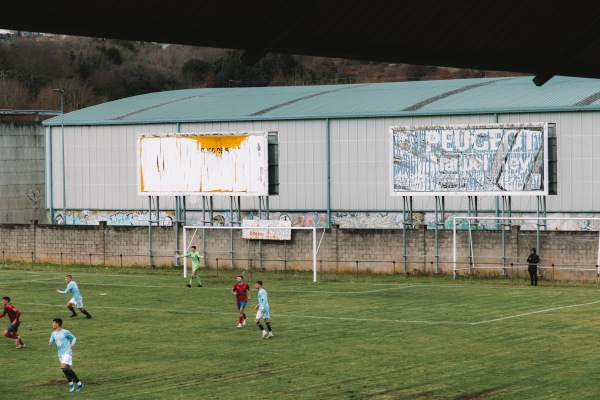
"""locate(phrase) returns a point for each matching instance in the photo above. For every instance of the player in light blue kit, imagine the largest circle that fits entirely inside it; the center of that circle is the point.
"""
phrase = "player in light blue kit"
(76, 300)
(65, 341)
(262, 309)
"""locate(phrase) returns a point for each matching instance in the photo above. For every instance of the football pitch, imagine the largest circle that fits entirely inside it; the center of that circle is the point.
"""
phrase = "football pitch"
(387, 337)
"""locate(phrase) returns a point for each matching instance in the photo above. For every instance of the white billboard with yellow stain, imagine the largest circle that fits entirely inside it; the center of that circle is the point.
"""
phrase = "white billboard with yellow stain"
(207, 164)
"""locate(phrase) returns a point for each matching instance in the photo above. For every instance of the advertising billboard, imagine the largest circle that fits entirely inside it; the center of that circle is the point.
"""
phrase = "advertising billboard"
(207, 164)
(266, 230)
(469, 160)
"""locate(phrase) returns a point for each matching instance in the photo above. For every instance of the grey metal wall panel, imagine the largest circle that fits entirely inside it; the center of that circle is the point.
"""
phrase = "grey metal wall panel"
(302, 164)
(56, 167)
(100, 167)
(101, 163)
(593, 191)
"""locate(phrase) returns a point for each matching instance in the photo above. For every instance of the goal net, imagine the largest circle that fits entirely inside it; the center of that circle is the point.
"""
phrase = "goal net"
(569, 248)
(253, 247)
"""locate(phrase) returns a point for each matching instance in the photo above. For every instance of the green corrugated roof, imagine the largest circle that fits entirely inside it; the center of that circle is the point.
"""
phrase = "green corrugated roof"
(461, 96)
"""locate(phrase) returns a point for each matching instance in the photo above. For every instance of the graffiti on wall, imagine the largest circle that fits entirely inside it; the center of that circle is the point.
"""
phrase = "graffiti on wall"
(360, 220)
(88, 217)
(345, 220)
(167, 218)
(308, 219)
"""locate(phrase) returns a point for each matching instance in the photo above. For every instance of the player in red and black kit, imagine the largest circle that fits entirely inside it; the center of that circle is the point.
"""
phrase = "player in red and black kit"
(13, 314)
(242, 292)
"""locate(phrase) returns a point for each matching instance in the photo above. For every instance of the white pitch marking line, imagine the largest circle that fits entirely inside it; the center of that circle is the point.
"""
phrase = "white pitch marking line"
(345, 293)
(342, 318)
(274, 315)
(400, 321)
(534, 312)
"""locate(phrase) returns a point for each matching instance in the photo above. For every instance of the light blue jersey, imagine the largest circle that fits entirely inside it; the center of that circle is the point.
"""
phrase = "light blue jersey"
(72, 287)
(263, 301)
(63, 340)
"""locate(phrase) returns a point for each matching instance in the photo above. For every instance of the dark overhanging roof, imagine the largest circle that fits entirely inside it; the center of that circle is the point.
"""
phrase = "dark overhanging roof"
(541, 38)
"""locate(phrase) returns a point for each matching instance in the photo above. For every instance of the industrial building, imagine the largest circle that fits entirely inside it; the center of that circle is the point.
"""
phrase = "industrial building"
(332, 151)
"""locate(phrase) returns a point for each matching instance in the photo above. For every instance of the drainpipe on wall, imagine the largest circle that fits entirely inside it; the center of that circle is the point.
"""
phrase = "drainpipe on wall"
(150, 230)
(328, 166)
(49, 164)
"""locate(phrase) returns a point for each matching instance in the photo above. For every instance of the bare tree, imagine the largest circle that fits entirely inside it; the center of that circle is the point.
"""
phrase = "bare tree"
(13, 95)
(34, 195)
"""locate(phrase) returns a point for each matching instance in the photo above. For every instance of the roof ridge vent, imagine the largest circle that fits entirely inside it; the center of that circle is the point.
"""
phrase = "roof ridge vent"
(588, 100)
(123, 116)
(433, 99)
(269, 109)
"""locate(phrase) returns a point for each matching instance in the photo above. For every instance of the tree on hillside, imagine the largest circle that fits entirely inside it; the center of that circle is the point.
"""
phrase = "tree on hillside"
(139, 77)
(77, 95)
(36, 63)
(93, 71)
(195, 71)
(13, 95)
(229, 71)
(88, 56)
(277, 69)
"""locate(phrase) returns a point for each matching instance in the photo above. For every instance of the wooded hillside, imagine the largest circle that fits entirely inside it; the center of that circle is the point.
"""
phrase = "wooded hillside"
(93, 71)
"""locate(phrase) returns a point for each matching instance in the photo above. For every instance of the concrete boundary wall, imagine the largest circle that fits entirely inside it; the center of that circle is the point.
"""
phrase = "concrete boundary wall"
(565, 255)
(22, 172)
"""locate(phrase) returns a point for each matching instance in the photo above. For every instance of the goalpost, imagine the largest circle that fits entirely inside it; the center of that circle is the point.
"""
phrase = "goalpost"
(535, 225)
(265, 235)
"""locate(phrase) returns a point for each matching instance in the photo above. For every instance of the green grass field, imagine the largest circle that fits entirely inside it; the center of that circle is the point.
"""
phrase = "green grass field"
(381, 337)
